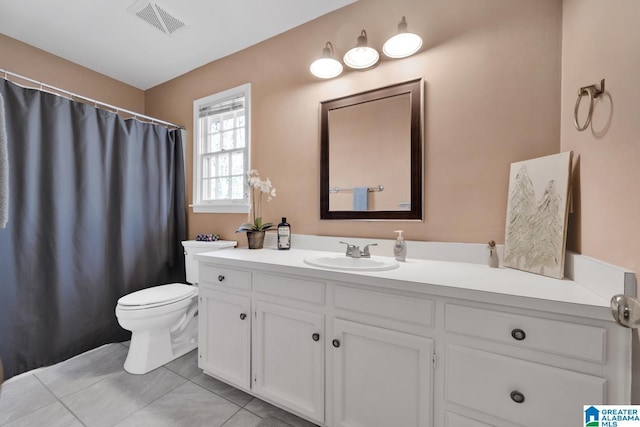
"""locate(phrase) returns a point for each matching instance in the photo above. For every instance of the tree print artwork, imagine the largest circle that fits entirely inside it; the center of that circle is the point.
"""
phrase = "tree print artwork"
(535, 235)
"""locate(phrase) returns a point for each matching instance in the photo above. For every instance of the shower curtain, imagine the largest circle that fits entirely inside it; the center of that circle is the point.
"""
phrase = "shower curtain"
(96, 210)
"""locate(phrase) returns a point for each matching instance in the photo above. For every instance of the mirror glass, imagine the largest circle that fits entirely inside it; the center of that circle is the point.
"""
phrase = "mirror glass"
(371, 154)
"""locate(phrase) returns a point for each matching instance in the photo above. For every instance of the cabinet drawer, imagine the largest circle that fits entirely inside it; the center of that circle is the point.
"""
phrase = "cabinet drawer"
(455, 420)
(374, 306)
(551, 336)
(296, 289)
(215, 275)
(495, 384)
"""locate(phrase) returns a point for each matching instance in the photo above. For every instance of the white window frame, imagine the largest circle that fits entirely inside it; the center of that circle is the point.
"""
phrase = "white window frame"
(220, 206)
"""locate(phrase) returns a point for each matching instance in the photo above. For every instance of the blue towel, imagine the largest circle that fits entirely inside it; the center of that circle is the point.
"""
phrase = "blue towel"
(361, 198)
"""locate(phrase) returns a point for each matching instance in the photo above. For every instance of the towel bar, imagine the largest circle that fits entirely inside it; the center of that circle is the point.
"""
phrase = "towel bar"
(371, 189)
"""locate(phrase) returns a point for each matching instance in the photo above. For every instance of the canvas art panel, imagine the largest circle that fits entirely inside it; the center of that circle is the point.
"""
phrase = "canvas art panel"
(537, 213)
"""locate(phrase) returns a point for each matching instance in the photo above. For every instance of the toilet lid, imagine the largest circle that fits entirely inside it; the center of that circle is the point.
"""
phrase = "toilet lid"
(163, 294)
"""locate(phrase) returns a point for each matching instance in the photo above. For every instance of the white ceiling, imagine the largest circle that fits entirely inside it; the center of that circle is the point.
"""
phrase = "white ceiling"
(104, 36)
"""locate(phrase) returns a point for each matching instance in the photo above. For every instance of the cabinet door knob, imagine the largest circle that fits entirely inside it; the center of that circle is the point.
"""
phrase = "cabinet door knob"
(518, 334)
(336, 343)
(243, 316)
(316, 336)
(220, 278)
(517, 397)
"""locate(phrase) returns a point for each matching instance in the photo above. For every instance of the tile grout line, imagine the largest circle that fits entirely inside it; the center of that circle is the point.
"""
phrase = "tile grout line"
(186, 377)
(122, 371)
(234, 414)
(79, 389)
(225, 398)
(58, 398)
(235, 403)
(241, 407)
(188, 380)
(156, 399)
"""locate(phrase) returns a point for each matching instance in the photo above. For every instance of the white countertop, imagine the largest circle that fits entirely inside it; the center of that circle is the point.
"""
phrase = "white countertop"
(475, 282)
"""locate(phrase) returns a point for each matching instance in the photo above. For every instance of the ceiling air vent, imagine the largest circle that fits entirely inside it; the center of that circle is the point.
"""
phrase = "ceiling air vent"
(157, 16)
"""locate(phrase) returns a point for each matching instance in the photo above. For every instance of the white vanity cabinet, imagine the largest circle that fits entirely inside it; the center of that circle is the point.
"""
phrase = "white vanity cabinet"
(394, 349)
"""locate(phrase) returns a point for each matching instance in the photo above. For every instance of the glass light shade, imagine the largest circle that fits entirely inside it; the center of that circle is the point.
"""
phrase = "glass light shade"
(402, 44)
(361, 56)
(326, 68)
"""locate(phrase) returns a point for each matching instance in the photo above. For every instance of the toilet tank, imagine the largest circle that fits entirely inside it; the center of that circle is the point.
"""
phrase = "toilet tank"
(192, 247)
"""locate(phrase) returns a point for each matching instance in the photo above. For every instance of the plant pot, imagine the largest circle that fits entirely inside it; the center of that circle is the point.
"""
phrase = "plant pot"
(255, 239)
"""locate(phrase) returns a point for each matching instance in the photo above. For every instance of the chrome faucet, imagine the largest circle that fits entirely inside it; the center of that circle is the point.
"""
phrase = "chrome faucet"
(354, 251)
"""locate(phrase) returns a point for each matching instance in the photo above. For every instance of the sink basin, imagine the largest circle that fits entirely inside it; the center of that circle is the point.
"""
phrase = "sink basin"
(342, 262)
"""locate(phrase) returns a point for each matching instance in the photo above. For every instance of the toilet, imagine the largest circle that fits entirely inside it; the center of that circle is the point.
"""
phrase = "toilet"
(163, 319)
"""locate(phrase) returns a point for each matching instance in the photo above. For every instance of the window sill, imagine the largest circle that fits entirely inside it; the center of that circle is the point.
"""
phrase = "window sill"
(220, 208)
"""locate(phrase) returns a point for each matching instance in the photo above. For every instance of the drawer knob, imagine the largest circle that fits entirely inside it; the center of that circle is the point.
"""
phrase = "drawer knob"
(243, 316)
(316, 336)
(518, 334)
(220, 278)
(336, 343)
(517, 397)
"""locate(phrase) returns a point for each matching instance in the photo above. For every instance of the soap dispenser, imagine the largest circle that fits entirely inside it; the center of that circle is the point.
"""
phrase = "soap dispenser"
(400, 247)
(284, 234)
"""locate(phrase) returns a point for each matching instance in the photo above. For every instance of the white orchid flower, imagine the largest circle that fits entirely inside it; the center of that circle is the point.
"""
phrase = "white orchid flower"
(258, 188)
(265, 186)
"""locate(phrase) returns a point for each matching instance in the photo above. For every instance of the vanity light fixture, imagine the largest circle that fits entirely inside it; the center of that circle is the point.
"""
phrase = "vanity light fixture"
(402, 44)
(326, 67)
(361, 56)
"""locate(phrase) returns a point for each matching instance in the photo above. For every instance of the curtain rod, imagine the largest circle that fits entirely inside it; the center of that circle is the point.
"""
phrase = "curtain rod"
(97, 104)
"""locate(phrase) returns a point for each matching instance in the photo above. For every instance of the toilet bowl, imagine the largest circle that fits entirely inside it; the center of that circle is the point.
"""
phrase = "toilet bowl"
(163, 319)
(163, 325)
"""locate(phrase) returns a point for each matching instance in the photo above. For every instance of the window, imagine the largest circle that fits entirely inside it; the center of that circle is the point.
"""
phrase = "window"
(221, 151)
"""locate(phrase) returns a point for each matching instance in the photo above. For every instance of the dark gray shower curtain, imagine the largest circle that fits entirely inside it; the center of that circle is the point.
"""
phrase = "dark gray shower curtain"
(97, 210)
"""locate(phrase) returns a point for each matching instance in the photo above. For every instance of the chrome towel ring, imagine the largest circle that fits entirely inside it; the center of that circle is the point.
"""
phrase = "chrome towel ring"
(593, 92)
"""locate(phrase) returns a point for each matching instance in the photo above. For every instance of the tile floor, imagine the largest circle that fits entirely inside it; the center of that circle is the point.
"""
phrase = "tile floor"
(93, 389)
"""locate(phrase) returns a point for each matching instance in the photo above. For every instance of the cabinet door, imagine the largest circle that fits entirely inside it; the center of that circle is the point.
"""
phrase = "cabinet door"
(224, 335)
(381, 378)
(289, 358)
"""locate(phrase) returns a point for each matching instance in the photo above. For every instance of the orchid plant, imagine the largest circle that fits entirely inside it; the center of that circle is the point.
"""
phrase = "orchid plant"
(258, 188)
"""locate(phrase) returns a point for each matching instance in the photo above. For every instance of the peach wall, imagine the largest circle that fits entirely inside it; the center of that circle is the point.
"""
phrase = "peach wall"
(492, 73)
(601, 41)
(39, 65)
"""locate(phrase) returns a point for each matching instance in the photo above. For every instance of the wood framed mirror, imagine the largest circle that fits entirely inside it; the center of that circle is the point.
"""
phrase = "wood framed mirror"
(371, 154)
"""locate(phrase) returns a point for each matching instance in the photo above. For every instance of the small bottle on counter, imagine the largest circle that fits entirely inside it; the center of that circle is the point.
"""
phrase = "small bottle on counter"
(400, 247)
(284, 234)
(494, 261)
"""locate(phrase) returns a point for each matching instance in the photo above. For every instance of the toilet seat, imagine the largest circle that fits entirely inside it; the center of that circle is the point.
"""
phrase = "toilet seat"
(156, 296)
